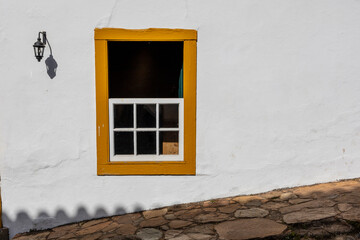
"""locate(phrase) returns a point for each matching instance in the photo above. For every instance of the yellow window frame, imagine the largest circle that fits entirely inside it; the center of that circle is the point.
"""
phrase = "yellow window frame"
(104, 166)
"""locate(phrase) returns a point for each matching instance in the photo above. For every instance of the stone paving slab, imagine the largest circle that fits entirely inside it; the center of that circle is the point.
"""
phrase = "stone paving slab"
(322, 211)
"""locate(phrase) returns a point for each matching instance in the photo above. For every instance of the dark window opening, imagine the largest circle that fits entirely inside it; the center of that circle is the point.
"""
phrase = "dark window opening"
(145, 69)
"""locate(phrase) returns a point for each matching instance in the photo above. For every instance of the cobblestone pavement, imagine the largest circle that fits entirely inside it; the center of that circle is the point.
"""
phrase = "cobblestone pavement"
(323, 211)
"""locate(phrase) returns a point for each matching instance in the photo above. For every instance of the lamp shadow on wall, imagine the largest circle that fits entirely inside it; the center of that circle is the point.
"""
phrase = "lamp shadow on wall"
(24, 222)
(51, 66)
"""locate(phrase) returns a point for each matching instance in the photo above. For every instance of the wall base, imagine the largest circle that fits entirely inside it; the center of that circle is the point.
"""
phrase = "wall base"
(4, 234)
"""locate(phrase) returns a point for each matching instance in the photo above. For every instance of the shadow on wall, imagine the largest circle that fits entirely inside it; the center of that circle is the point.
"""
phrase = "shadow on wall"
(24, 222)
(51, 66)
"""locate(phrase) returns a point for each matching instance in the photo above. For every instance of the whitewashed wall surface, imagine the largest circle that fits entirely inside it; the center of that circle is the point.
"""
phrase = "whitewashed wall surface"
(278, 103)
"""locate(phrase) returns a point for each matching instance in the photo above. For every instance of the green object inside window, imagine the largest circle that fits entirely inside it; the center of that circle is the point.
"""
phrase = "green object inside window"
(180, 91)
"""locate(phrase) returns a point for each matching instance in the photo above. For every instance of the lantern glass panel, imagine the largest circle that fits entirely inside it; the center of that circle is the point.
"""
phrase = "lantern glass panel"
(41, 51)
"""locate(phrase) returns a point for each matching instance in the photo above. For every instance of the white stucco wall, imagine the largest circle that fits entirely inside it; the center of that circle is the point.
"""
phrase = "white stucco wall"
(278, 103)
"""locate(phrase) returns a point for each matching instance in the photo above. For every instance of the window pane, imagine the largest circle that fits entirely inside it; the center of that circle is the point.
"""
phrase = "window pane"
(145, 115)
(146, 142)
(142, 69)
(169, 142)
(124, 142)
(123, 116)
(169, 115)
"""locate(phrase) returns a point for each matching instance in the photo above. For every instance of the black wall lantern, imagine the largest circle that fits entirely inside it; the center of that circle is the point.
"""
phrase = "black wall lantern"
(39, 46)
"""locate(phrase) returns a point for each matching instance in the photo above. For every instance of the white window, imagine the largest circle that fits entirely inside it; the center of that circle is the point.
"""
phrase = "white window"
(146, 129)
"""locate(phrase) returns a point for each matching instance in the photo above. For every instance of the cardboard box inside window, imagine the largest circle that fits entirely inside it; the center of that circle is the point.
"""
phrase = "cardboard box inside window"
(170, 148)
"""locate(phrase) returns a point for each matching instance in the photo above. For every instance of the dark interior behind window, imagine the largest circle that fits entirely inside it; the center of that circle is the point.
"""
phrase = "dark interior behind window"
(145, 69)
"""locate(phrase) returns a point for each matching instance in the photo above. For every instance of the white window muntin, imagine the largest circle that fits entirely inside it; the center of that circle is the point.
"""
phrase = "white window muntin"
(146, 157)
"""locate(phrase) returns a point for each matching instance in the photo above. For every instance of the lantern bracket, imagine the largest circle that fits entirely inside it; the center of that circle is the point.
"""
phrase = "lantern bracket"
(44, 37)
